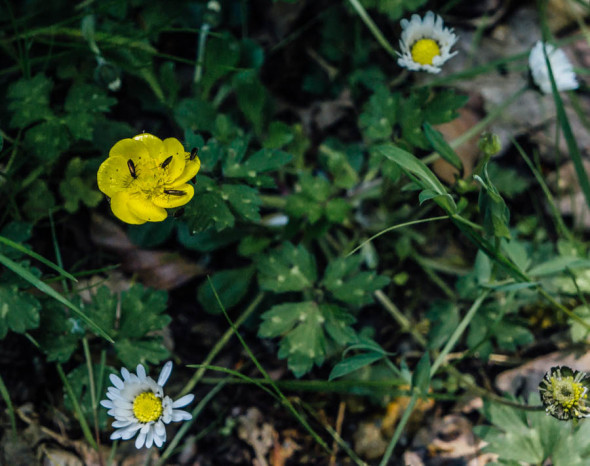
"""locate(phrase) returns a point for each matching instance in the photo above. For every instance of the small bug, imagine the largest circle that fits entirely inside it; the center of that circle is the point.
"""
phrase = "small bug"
(131, 167)
(166, 162)
(194, 153)
(174, 192)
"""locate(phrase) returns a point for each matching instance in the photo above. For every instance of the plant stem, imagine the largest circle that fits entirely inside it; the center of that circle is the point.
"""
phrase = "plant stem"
(373, 28)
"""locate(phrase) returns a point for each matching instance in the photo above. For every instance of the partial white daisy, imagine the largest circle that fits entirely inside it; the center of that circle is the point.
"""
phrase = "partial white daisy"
(563, 71)
(138, 404)
(425, 44)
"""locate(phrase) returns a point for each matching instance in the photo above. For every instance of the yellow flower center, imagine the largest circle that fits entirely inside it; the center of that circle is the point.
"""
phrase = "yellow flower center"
(566, 392)
(147, 407)
(424, 51)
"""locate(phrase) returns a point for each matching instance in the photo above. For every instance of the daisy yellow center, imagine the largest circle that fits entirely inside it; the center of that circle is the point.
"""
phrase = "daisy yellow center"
(566, 392)
(424, 51)
(147, 407)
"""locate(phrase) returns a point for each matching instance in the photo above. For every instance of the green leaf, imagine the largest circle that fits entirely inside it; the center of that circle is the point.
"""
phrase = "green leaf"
(221, 57)
(337, 210)
(77, 189)
(338, 163)
(279, 135)
(264, 160)
(39, 201)
(12, 237)
(444, 318)
(47, 140)
(301, 206)
(80, 383)
(103, 309)
(29, 100)
(231, 286)
(379, 115)
(87, 98)
(287, 268)
(19, 311)
(144, 351)
(208, 210)
(81, 125)
(421, 376)
(253, 99)
(495, 212)
(354, 363)
(59, 334)
(395, 9)
(441, 146)
(443, 107)
(347, 283)
(425, 177)
(304, 331)
(142, 311)
(243, 199)
(195, 114)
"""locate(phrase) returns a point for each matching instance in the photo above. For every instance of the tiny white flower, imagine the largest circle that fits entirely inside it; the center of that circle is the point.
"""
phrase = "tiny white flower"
(425, 44)
(138, 404)
(563, 72)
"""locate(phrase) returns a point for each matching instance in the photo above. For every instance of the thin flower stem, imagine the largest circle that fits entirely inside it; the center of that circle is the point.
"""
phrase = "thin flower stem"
(373, 28)
(401, 319)
(201, 53)
(458, 332)
(220, 344)
(92, 387)
(9, 406)
(399, 429)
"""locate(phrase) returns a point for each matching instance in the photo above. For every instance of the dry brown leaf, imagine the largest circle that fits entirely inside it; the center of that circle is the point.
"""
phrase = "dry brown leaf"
(256, 433)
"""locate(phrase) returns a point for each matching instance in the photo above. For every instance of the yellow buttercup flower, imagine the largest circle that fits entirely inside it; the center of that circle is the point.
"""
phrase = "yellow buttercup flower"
(143, 176)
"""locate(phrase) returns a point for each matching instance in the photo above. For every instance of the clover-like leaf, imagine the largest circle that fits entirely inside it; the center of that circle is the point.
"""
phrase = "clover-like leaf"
(28, 99)
(19, 311)
(308, 332)
(287, 268)
(344, 279)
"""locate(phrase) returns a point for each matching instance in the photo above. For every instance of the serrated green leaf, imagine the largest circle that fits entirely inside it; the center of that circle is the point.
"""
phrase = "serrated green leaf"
(39, 201)
(80, 383)
(29, 100)
(339, 166)
(250, 245)
(337, 210)
(354, 363)
(287, 268)
(19, 311)
(47, 140)
(87, 98)
(301, 206)
(252, 97)
(59, 334)
(279, 135)
(144, 351)
(302, 327)
(103, 309)
(347, 283)
(208, 210)
(142, 311)
(230, 285)
(76, 189)
(195, 114)
(81, 125)
(444, 318)
(495, 212)
(243, 199)
(261, 161)
(443, 106)
(379, 115)
(18, 232)
(221, 57)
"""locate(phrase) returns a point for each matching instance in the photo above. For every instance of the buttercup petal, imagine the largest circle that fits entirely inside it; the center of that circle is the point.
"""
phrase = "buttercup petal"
(190, 170)
(113, 176)
(120, 207)
(146, 210)
(129, 148)
(174, 200)
(152, 144)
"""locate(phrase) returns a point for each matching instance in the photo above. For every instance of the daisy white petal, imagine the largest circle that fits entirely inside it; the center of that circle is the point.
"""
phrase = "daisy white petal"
(425, 43)
(185, 400)
(563, 71)
(179, 415)
(140, 372)
(166, 370)
(117, 382)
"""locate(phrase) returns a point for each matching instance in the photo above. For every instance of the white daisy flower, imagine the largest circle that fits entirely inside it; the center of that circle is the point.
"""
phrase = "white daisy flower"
(563, 72)
(425, 44)
(138, 404)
